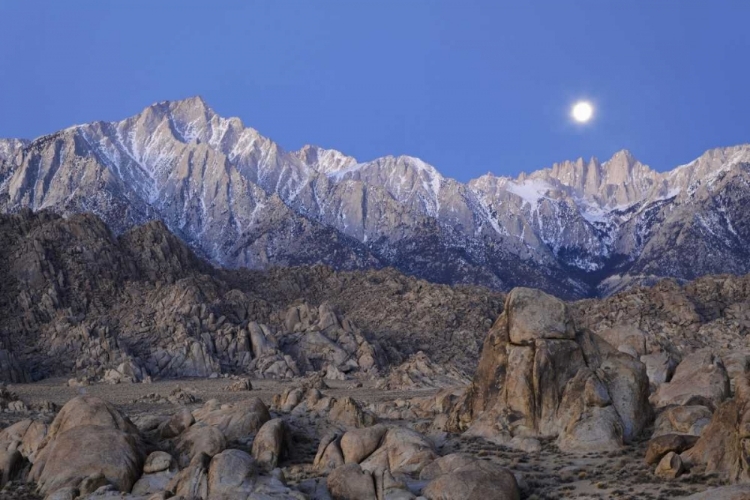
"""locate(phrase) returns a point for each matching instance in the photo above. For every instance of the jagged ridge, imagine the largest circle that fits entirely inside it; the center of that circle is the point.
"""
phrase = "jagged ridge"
(575, 229)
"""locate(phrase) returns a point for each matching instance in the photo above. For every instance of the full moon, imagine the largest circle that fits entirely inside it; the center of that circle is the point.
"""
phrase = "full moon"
(582, 111)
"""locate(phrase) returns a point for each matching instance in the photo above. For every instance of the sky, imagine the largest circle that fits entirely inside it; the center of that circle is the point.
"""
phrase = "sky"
(468, 86)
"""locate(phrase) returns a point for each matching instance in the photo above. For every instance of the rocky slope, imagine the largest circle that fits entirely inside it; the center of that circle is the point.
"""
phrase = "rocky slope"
(569, 400)
(236, 197)
(76, 300)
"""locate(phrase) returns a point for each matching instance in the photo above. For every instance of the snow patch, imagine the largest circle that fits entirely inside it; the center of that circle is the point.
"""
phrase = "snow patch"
(531, 191)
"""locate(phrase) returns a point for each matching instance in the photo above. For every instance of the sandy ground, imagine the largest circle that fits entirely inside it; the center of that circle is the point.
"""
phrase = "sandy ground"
(550, 474)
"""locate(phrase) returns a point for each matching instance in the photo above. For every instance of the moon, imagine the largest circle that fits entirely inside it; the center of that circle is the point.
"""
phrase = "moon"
(582, 111)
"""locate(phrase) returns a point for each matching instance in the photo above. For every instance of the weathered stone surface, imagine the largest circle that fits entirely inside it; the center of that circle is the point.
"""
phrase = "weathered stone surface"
(81, 451)
(177, 424)
(358, 444)
(402, 451)
(199, 439)
(347, 412)
(87, 437)
(478, 480)
(661, 445)
(660, 367)
(691, 419)
(329, 455)
(26, 436)
(89, 410)
(270, 443)
(723, 446)
(350, 482)
(240, 385)
(591, 421)
(626, 338)
(670, 466)
(699, 375)
(11, 463)
(153, 482)
(11, 370)
(192, 481)
(419, 372)
(446, 464)
(388, 487)
(580, 390)
(627, 382)
(158, 461)
(235, 421)
(537, 315)
(232, 474)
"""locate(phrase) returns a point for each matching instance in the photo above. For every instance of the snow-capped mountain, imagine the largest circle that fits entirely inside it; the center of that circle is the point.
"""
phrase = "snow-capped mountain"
(237, 197)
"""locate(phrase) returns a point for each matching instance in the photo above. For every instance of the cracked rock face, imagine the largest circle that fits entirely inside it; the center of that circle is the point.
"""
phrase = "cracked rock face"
(540, 378)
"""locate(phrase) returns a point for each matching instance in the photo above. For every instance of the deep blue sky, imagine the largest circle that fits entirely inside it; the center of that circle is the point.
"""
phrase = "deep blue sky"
(468, 86)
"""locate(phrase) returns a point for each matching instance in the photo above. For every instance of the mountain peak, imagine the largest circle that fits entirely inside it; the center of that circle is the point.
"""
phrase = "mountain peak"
(196, 101)
(325, 161)
(622, 158)
(623, 153)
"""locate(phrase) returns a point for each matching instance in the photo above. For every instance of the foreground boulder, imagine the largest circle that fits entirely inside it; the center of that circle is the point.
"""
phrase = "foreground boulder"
(660, 367)
(199, 439)
(270, 443)
(25, 436)
(463, 479)
(724, 444)
(356, 445)
(691, 419)
(89, 410)
(670, 466)
(231, 475)
(350, 482)
(158, 470)
(540, 378)
(402, 451)
(236, 421)
(661, 445)
(88, 438)
(329, 455)
(192, 481)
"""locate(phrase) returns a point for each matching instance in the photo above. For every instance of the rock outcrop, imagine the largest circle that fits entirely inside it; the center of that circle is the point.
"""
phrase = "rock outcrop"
(540, 377)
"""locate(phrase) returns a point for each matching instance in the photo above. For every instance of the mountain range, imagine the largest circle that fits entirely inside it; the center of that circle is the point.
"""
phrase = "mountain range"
(579, 228)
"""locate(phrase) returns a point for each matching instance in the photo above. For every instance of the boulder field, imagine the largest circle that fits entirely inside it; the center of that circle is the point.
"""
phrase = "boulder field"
(546, 385)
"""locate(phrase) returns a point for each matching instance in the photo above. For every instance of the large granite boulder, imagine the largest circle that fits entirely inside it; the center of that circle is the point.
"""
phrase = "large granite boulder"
(88, 438)
(477, 480)
(270, 443)
(700, 375)
(235, 421)
(538, 377)
(724, 445)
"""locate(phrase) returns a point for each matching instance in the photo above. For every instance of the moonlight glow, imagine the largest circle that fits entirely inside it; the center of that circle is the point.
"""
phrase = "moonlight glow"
(582, 111)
